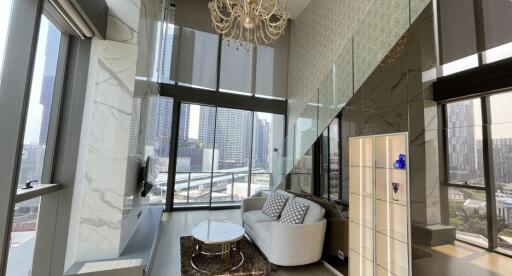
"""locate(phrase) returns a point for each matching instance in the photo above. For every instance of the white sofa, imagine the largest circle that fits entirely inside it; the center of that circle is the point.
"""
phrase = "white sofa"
(285, 244)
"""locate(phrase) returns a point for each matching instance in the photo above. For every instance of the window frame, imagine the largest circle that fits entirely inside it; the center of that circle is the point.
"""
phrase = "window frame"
(20, 55)
(488, 165)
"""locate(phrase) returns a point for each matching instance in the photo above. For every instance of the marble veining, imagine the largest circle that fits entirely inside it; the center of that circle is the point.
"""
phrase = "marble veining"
(123, 20)
(110, 93)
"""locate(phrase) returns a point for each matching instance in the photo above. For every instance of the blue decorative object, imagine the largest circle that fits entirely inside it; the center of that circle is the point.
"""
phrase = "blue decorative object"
(400, 163)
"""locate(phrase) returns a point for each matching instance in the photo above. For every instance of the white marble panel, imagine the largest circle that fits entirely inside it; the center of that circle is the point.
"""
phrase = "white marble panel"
(123, 20)
(109, 95)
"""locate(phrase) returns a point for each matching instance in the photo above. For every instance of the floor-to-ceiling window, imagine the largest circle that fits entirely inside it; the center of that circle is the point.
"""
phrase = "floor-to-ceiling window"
(479, 170)
(501, 129)
(225, 155)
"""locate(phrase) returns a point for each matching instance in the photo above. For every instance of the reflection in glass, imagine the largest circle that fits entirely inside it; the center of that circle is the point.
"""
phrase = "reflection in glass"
(301, 176)
(157, 143)
(334, 160)
(464, 143)
(468, 213)
(23, 238)
(40, 103)
(501, 131)
(236, 68)
(324, 159)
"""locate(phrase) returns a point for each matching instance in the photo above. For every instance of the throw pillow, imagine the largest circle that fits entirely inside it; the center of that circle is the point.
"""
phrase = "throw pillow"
(274, 205)
(294, 212)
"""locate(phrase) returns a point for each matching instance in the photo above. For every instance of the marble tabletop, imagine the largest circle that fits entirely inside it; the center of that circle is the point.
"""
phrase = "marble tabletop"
(218, 231)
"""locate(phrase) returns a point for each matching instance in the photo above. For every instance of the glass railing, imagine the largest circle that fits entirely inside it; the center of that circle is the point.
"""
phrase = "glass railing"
(196, 188)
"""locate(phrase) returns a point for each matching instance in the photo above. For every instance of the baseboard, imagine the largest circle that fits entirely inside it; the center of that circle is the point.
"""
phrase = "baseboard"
(332, 269)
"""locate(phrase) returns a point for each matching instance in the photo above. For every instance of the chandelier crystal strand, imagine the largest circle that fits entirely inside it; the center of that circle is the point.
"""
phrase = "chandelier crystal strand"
(249, 21)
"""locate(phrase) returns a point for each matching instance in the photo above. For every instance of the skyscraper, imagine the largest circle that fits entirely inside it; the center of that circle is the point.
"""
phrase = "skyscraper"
(461, 141)
(50, 67)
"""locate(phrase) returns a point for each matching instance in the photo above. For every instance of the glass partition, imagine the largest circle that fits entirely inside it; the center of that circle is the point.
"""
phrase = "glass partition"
(157, 142)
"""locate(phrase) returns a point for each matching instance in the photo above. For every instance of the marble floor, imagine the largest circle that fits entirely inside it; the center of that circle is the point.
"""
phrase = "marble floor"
(462, 259)
(166, 260)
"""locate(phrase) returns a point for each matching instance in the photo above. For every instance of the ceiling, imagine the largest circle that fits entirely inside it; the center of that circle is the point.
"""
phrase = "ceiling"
(295, 7)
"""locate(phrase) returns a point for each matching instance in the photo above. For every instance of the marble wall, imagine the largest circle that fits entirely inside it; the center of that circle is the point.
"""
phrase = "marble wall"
(397, 97)
(105, 141)
(106, 205)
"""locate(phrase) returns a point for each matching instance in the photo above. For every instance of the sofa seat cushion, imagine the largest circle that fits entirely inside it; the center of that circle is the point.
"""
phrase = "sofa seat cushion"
(255, 216)
(315, 212)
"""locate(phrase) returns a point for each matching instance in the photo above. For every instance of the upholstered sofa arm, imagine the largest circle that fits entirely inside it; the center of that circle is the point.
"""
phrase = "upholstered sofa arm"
(253, 203)
(296, 244)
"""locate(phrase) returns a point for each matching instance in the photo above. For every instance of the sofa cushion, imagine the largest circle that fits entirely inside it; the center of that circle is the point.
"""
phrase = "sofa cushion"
(255, 216)
(274, 205)
(315, 212)
(293, 212)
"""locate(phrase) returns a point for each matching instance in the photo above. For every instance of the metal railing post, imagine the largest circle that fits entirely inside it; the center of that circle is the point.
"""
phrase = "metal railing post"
(188, 188)
(232, 184)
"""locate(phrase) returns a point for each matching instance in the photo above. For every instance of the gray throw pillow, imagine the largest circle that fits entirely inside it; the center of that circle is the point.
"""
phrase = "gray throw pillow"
(274, 205)
(294, 212)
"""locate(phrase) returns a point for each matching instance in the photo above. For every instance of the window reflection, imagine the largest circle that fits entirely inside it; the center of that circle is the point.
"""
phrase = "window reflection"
(501, 131)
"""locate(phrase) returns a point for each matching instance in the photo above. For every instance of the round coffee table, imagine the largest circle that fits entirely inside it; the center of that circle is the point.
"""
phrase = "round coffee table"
(217, 239)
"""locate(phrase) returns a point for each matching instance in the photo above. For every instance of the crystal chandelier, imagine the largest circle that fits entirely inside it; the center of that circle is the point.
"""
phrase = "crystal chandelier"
(249, 21)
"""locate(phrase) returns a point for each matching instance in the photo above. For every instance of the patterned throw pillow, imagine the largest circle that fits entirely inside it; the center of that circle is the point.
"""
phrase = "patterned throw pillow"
(294, 212)
(274, 205)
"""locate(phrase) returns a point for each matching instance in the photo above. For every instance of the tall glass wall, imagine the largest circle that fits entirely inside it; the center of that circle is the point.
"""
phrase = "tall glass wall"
(226, 155)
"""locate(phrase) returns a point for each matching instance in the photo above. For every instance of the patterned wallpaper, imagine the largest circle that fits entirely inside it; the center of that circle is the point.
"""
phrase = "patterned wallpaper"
(325, 29)
(316, 38)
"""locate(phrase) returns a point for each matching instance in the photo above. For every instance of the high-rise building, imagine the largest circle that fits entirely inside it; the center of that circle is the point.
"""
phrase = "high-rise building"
(262, 144)
(206, 126)
(232, 137)
(50, 66)
(461, 142)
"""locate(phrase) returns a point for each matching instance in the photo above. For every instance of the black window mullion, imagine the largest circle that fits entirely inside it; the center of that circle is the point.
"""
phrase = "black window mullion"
(490, 189)
(173, 155)
(249, 175)
(213, 156)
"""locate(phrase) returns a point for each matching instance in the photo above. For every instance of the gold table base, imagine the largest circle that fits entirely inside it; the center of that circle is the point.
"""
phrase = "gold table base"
(227, 251)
